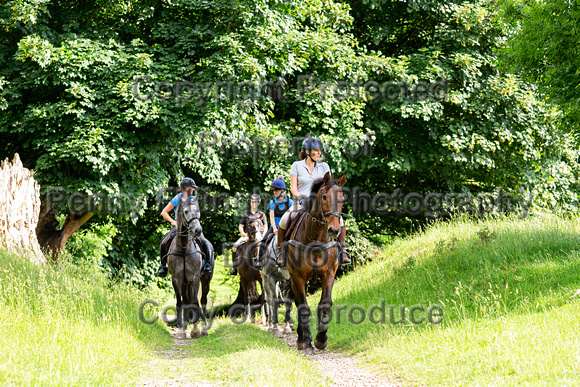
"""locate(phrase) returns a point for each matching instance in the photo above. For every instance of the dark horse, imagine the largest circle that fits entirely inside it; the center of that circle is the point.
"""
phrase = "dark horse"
(248, 273)
(312, 251)
(184, 263)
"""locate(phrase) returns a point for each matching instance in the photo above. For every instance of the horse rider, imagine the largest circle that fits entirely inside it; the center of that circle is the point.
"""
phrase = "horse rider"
(187, 187)
(248, 218)
(277, 206)
(302, 175)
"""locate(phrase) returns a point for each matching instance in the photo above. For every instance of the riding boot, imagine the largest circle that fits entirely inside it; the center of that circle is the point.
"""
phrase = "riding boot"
(344, 258)
(162, 271)
(281, 260)
(234, 270)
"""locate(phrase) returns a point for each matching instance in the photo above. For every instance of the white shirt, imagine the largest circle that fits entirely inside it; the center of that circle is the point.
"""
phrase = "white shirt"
(305, 178)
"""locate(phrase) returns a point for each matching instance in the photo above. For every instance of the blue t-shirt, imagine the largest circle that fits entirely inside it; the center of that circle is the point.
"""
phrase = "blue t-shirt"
(176, 201)
(281, 206)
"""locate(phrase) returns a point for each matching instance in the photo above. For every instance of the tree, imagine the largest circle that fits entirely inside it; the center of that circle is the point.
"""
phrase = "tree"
(114, 100)
(544, 46)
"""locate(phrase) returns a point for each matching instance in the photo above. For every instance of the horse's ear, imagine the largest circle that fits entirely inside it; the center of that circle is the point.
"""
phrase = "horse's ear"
(342, 180)
(326, 178)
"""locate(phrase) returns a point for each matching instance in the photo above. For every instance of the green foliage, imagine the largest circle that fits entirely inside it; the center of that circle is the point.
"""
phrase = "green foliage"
(133, 255)
(90, 245)
(95, 99)
(361, 250)
(544, 46)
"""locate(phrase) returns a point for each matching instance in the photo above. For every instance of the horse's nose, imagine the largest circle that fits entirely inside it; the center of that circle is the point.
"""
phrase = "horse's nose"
(197, 231)
(333, 232)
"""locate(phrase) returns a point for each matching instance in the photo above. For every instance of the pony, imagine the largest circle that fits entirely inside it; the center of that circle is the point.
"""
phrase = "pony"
(277, 287)
(246, 270)
(184, 262)
(311, 250)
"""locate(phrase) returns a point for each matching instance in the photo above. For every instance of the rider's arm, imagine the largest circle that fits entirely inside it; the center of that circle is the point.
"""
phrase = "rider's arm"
(165, 214)
(294, 186)
(272, 220)
(242, 232)
(264, 222)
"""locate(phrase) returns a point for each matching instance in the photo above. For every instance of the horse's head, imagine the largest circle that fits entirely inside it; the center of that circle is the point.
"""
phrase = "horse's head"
(328, 203)
(190, 218)
(255, 231)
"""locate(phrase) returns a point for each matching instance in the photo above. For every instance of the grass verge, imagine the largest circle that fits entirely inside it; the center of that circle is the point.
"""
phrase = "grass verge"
(69, 326)
(506, 287)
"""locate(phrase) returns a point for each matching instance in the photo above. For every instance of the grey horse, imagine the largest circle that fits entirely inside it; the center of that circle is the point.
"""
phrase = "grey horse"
(276, 284)
(184, 263)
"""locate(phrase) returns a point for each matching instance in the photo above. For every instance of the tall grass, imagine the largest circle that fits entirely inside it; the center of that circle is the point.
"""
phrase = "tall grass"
(69, 326)
(506, 287)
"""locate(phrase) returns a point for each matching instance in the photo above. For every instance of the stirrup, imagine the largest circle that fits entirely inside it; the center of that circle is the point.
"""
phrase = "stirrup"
(343, 261)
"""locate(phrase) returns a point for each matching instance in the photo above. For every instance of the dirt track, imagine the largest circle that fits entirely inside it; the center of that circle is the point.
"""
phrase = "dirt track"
(341, 369)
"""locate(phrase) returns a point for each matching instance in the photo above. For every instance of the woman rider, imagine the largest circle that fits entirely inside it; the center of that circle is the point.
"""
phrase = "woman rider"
(302, 175)
(187, 187)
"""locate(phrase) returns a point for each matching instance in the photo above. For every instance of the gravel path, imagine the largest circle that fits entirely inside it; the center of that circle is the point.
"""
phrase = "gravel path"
(341, 370)
(173, 355)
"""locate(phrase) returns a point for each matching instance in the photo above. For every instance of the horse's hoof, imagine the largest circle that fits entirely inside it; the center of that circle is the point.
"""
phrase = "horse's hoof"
(288, 329)
(195, 335)
(320, 345)
(204, 332)
(180, 336)
(302, 345)
(309, 351)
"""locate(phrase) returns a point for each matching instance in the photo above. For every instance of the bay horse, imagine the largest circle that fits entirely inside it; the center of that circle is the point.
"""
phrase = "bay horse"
(184, 262)
(277, 287)
(312, 251)
(246, 270)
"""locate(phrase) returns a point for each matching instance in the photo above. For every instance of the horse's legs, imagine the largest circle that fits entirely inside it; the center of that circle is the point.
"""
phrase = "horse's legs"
(287, 319)
(324, 311)
(304, 336)
(204, 291)
(194, 289)
(179, 305)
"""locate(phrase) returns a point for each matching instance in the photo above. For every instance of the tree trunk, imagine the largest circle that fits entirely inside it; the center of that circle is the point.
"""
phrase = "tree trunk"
(51, 238)
(19, 208)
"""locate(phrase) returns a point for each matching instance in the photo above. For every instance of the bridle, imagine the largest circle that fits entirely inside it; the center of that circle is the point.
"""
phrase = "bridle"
(324, 215)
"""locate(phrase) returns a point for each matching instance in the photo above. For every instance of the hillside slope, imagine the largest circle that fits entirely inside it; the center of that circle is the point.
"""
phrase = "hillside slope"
(507, 291)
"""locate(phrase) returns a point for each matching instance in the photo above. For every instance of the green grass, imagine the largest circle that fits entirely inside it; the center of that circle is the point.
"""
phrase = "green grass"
(65, 326)
(505, 286)
(237, 355)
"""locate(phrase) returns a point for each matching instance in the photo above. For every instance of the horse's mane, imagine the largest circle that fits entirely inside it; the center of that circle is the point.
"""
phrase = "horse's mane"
(316, 185)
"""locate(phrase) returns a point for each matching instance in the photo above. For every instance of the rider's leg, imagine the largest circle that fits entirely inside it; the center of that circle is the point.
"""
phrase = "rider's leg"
(282, 226)
(165, 243)
(344, 258)
(206, 259)
(238, 243)
(234, 270)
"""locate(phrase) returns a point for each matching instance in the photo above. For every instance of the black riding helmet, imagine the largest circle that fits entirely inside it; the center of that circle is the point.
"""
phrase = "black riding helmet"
(312, 143)
(187, 182)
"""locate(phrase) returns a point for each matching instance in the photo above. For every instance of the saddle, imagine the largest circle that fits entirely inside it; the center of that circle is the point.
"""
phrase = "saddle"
(294, 219)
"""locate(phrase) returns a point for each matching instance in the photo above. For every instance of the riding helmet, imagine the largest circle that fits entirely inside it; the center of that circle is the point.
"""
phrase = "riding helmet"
(312, 143)
(255, 198)
(278, 184)
(187, 182)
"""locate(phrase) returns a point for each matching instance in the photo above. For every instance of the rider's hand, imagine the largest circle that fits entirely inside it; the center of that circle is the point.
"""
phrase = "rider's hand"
(174, 223)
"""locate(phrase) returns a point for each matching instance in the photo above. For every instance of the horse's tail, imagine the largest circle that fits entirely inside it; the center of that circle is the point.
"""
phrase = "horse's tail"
(252, 291)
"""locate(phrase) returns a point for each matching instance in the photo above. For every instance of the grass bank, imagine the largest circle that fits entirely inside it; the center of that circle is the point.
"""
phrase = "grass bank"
(506, 288)
(68, 326)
